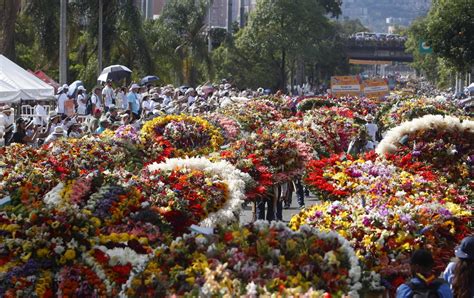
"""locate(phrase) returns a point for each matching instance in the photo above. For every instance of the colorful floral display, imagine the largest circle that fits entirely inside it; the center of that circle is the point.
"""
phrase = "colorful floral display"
(230, 128)
(446, 143)
(188, 135)
(257, 259)
(308, 104)
(253, 114)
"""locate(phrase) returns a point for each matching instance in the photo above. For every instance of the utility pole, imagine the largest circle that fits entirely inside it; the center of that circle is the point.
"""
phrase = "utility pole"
(100, 42)
(242, 13)
(63, 43)
(209, 37)
(229, 16)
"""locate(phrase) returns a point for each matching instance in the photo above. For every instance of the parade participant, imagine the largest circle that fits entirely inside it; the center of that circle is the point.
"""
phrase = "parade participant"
(423, 283)
(460, 273)
(372, 130)
(92, 121)
(62, 98)
(81, 101)
(70, 105)
(108, 95)
(133, 102)
(147, 104)
(120, 100)
(75, 131)
(125, 119)
(7, 120)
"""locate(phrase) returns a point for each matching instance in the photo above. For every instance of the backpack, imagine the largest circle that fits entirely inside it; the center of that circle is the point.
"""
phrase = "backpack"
(89, 106)
(422, 290)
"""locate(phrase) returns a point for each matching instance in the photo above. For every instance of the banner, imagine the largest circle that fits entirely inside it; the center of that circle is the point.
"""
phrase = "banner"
(345, 86)
(375, 88)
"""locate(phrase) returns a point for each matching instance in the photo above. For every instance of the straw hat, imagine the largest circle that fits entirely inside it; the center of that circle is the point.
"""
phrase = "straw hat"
(58, 131)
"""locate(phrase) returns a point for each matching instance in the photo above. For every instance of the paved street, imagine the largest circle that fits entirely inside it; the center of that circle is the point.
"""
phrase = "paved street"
(246, 215)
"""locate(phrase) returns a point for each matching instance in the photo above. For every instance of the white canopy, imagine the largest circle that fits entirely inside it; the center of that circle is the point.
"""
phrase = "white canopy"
(17, 84)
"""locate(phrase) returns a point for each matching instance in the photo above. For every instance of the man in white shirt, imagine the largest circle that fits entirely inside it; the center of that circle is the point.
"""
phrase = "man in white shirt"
(41, 116)
(108, 95)
(167, 97)
(372, 130)
(62, 97)
(96, 99)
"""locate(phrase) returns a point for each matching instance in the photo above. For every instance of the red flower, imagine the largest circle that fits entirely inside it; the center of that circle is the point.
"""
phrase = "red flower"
(101, 257)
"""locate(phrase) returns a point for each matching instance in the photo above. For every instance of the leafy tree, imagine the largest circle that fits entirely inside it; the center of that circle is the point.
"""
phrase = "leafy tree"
(8, 14)
(450, 31)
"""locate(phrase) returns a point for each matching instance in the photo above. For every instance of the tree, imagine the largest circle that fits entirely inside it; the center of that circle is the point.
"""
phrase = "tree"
(181, 35)
(8, 15)
(280, 38)
(450, 31)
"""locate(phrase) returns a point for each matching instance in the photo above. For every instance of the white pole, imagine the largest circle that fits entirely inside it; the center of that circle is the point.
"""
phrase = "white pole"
(63, 43)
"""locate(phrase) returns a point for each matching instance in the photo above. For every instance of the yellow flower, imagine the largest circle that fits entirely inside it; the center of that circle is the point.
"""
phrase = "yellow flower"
(42, 252)
(95, 221)
(70, 254)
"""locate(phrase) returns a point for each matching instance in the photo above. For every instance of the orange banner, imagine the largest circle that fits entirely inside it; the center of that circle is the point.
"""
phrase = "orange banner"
(375, 88)
(345, 86)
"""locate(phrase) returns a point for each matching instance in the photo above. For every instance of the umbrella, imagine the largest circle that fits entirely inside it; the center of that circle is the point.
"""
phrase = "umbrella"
(114, 73)
(470, 88)
(73, 87)
(149, 79)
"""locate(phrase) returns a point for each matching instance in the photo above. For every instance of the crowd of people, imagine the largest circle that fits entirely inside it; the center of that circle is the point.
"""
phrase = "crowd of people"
(78, 113)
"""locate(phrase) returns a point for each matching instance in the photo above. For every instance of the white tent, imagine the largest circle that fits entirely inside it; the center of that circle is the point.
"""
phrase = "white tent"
(17, 84)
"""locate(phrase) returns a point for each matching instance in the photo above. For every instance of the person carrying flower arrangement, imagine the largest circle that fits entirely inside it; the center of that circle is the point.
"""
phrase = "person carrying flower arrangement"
(423, 283)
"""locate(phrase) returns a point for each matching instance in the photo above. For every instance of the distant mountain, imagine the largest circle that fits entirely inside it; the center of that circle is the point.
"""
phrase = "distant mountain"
(379, 15)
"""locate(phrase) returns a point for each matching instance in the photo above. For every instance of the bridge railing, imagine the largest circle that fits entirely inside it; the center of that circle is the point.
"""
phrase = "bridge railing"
(389, 44)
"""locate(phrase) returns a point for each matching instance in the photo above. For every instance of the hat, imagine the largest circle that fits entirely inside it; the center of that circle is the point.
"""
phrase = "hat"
(58, 131)
(134, 86)
(189, 90)
(227, 86)
(124, 115)
(65, 86)
(369, 117)
(112, 107)
(6, 108)
(466, 249)
(81, 88)
(53, 114)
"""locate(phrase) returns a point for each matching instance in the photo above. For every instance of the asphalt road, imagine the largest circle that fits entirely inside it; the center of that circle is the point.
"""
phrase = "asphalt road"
(246, 213)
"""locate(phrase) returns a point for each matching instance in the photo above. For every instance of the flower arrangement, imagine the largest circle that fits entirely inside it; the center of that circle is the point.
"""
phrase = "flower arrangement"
(284, 157)
(216, 190)
(409, 108)
(188, 135)
(127, 133)
(253, 114)
(331, 129)
(256, 259)
(230, 128)
(446, 143)
(310, 103)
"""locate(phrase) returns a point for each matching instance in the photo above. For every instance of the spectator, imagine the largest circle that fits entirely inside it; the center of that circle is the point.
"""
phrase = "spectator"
(460, 274)
(104, 123)
(133, 102)
(41, 116)
(62, 97)
(20, 136)
(7, 120)
(81, 100)
(57, 134)
(92, 121)
(108, 95)
(112, 114)
(423, 283)
(96, 99)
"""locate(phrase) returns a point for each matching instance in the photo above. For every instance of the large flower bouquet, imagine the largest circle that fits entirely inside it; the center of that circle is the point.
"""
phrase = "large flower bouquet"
(284, 157)
(310, 103)
(332, 129)
(230, 128)
(408, 109)
(361, 105)
(257, 259)
(188, 135)
(446, 143)
(253, 114)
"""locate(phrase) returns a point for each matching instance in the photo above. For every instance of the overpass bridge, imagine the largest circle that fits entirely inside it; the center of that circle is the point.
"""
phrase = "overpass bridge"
(366, 51)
